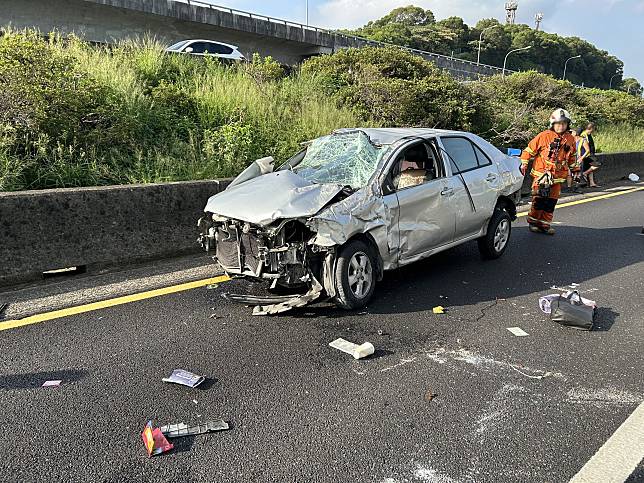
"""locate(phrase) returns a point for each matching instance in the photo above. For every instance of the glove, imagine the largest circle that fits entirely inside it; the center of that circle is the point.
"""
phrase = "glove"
(524, 168)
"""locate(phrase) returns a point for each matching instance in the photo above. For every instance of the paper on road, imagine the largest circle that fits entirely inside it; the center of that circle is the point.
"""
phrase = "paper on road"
(185, 378)
(355, 350)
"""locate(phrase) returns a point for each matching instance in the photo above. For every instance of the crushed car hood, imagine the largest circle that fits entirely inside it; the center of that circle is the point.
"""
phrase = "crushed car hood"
(273, 196)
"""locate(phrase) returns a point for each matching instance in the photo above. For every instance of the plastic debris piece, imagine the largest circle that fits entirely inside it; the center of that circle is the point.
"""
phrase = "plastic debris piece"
(439, 309)
(182, 429)
(185, 378)
(518, 331)
(212, 286)
(355, 350)
(429, 396)
(633, 177)
(154, 440)
(3, 307)
(55, 383)
(546, 301)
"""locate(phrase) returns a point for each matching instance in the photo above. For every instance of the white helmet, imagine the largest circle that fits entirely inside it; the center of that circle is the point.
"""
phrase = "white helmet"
(560, 115)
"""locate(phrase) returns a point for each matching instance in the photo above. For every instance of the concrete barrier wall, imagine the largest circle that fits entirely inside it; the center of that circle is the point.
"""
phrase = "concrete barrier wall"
(615, 166)
(52, 229)
(114, 225)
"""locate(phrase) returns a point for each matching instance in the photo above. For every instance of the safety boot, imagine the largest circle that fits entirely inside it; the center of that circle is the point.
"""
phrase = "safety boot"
(535, 229)
(549, 231)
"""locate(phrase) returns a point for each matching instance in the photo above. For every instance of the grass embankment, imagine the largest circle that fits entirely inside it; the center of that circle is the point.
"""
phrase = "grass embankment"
(76, 115)
(72, 114)
(619, 139)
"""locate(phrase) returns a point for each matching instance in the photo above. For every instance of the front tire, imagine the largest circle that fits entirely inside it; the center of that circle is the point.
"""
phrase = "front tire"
(355, 275)
(495, 242)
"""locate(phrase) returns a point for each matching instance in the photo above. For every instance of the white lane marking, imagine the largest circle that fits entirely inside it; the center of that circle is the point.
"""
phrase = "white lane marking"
(518, 331)
(619, 456)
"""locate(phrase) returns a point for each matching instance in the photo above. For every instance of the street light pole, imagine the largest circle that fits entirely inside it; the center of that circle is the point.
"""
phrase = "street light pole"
(505, 61)
(610, 84)
(566, 64)
(478, 58)
(307, 13)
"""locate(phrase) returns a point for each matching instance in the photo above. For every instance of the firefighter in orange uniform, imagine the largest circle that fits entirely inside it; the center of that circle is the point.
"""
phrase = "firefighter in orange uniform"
(554, 154)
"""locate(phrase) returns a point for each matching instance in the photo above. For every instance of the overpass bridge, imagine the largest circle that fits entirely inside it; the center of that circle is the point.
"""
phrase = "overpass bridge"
(172, 20)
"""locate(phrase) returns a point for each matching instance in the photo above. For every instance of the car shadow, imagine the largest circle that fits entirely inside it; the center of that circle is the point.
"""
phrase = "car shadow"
(532, 264)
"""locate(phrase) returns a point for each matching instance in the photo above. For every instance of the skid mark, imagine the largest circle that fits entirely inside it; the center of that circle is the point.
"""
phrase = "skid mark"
(442, 355)
(604, 397)
(497, 410)
(400, 364)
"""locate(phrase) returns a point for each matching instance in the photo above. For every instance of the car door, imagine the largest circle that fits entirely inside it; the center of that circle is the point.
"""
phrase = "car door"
(469, 164)
(423, 214)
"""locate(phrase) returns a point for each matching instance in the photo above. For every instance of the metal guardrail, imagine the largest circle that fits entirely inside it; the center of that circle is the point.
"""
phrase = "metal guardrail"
(312, 28)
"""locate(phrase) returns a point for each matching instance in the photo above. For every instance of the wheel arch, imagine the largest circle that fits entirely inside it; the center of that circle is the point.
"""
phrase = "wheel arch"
(370, 241)
(506, 203)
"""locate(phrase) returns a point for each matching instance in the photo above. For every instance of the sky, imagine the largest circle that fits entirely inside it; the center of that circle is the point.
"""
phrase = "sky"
(613, 25)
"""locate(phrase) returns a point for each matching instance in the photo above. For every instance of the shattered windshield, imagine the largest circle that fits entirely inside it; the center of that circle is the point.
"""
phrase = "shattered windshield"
(348, 159)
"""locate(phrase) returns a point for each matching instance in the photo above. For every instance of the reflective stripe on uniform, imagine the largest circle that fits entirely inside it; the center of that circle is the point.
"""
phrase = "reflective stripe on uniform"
(529, 150)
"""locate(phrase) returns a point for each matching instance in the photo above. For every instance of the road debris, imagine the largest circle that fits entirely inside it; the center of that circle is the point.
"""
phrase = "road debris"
(633, 177)
(3, 307)
(212, 286)
(570, 310)
(154, 440)
(532, 376)
(518, 331)
(429, 396)
(545, 302)
(355, 350)
(182, 429)
(184, 378)
(55, 383)
(439, 309)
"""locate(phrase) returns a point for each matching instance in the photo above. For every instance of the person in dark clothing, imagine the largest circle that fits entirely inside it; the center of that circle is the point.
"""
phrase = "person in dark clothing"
(590, 164)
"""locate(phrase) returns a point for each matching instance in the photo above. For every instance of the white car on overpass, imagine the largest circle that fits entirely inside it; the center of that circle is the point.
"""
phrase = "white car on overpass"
(207, 48)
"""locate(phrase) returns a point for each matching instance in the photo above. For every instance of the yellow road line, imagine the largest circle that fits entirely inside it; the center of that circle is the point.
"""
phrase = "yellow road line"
(103, 304)
(57, 314)
(594, 198)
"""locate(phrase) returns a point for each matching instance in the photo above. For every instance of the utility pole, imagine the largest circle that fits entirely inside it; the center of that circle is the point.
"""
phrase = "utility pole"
(505, 61)
(511, 12)
(307, 13)
(538, 18)
(566, 65)
(478, 58)
(610, 84)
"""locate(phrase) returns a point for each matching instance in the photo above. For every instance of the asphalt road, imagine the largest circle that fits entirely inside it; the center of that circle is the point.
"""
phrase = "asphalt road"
(446, 398)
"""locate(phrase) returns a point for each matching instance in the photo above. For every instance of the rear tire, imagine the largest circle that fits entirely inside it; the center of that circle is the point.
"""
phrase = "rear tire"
(355, 275)
(495, 242)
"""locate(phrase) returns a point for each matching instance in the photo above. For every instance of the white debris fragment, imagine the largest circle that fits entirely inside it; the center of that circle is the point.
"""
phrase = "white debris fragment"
(518, 331)
(633, 177)
(355, 350)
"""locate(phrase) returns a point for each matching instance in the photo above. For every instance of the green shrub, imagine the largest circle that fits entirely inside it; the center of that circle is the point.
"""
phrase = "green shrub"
(393, 88)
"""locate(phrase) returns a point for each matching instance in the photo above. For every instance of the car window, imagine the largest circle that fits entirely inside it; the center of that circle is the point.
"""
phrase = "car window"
(462, 156)
(215, 48)
(197, 47)
(483, 159)
(415, 165)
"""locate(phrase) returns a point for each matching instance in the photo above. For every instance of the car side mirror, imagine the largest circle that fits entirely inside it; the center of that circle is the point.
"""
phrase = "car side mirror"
(188, 50)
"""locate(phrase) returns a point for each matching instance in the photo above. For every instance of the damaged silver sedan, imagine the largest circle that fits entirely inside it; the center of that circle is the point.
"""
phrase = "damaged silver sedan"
(358, 202)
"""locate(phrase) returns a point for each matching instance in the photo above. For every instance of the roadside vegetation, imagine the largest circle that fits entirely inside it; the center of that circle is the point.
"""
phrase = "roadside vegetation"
(72, 114)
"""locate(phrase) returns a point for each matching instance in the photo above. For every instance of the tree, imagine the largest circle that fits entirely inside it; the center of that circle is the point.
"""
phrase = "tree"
(408, 16)
(632, 86)
(414, 27)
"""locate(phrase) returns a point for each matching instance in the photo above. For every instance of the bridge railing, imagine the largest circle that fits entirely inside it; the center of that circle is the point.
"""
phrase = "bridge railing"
(336, 33)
